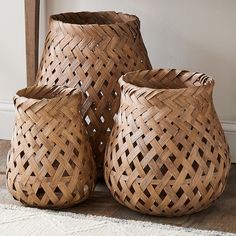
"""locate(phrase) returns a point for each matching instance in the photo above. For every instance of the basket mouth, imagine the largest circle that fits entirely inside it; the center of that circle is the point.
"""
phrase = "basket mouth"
(165, 79)
(94, 18)
(45, 92)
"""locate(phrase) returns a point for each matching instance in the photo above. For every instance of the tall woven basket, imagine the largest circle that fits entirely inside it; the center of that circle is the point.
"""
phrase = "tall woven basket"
(90, 51)
(50, 163)
(167, 153)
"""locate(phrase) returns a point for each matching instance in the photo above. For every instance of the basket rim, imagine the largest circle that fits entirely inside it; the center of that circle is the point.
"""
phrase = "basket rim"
(71, 92)
(123, 83)
(133, 18)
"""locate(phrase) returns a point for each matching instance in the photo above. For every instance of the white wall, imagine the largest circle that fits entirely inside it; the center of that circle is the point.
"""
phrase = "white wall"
(185, 34)
(12, 48)
(12, 58)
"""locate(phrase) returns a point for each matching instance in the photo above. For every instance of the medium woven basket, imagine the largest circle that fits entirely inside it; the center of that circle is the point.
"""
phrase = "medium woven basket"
(90, 51)
(167, 153)
(50, 163)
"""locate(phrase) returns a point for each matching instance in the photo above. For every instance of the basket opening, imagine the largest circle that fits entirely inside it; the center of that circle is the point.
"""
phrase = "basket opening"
(166, 79)
(99, 18)
(45, 92)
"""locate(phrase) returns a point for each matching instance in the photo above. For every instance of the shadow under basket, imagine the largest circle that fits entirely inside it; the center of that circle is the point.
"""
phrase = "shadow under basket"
(90, 51)
(167, 154)
(50, 163)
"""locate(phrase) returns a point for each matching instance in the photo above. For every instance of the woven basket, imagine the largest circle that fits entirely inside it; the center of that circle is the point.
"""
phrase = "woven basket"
(167, 153)
(90, 51)
(50, 163)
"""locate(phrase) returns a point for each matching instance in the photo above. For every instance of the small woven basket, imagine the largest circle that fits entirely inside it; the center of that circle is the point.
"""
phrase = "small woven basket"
(90, 51)
(167, 153)
(50, 163)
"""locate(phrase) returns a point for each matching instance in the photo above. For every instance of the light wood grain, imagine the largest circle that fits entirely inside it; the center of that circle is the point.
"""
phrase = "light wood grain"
(221, 216)
(32, 38)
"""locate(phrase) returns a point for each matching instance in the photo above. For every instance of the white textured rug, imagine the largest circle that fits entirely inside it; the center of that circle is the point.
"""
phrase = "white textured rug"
(23, 221)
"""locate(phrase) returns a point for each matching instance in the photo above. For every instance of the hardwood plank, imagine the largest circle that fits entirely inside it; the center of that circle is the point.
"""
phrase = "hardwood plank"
(32, 38)
(221, 216)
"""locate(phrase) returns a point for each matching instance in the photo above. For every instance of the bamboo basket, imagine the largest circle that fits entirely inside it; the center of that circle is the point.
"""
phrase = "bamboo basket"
(90, 51)
(50, 163)
(167, 153)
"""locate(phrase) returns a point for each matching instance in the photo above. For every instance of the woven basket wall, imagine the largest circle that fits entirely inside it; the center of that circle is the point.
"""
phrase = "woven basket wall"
(90, 51)
(50, 163)
(167, 153)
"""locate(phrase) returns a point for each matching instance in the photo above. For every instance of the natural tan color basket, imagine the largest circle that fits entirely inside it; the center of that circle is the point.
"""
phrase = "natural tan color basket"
(167, 153)
(90, 51)
(50, 163)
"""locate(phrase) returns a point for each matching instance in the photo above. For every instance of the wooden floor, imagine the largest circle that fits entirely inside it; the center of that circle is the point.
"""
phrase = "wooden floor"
(221, 216)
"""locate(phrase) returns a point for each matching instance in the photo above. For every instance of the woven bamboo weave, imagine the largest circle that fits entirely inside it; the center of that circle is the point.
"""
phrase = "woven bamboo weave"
(90, 51)
(50, 163)
(167, 153)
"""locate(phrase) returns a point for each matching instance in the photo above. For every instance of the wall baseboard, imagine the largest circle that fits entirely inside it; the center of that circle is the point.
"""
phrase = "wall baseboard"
(7, 116)
(229, 128)
(6, 106)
